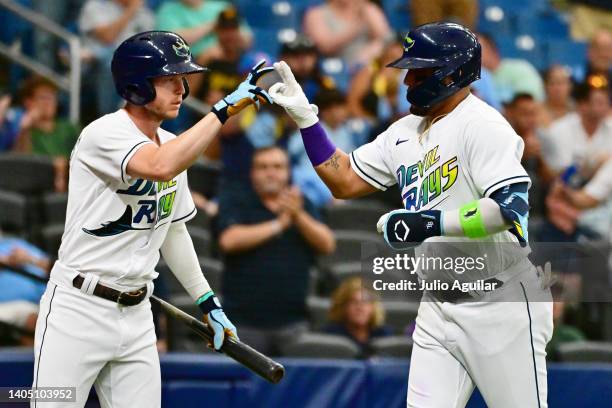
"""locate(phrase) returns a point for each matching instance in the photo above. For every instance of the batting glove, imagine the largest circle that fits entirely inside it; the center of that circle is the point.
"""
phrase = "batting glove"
(404, 229)
(216, 319)
(246, 94)
(289, 95)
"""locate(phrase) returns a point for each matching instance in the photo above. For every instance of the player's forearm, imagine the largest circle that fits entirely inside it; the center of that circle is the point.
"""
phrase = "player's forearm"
(491, 220)
(581, 199)
(180, 255)
(174, 157)
(240, 238)
(318, 235)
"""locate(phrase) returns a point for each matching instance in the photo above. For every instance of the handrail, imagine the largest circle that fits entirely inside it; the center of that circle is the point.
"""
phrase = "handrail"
(72, 84)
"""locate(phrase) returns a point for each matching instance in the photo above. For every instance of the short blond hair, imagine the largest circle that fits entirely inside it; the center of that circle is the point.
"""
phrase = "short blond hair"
(342, 296)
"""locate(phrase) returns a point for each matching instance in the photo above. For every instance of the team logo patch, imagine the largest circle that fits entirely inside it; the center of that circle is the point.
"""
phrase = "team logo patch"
(470, 213)
(408, 43)
(181, 48)
(401, 231)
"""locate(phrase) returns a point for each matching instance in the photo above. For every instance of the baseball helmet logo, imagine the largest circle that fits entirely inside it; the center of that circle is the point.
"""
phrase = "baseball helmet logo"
(408, 43)
(181, 48)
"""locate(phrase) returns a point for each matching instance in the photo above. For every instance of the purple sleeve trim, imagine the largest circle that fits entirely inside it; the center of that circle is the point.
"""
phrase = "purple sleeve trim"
(318, 146)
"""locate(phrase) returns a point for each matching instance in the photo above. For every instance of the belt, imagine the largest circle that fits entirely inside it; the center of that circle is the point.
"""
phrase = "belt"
(123, 298)
(456, 295)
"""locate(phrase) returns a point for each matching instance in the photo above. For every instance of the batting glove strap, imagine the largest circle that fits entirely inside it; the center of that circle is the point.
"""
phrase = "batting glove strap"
(247, 93)
(208, 302)
(403, 229)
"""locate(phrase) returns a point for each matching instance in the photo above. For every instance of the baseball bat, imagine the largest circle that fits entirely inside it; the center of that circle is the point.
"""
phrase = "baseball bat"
(257, 362)
(241, 352)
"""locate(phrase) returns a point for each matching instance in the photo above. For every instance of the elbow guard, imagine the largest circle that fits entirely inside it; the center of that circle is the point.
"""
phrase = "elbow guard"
(513, 201)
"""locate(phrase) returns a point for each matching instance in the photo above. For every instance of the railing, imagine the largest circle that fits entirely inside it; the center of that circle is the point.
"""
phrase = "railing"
(70, 83)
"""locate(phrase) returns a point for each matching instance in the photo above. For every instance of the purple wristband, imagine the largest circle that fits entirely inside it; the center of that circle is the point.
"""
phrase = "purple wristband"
(318, 146)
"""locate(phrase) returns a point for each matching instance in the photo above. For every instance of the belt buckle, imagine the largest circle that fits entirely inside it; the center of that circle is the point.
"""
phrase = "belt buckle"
(129, 294)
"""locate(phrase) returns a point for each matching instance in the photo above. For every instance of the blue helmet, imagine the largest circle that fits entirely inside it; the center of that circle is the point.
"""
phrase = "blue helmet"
(149, 55)
(453, 50)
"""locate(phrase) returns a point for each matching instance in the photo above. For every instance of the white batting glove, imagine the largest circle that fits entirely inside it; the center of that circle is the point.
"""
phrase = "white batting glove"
(289, 95)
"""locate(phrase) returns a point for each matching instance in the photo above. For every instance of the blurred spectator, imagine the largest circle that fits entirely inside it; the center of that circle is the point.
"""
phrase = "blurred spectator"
(486, 89)
(346, 133)
(598, 70)
(104, 24)
(270, 236)
(44, 133)
(353, 30)
(562, 332)
(588, 16)
(558, 88)
(377, 92)
(595, 192)
(62, 12)
(301, 56)
(356, 313)
(19, 295)
(522, 113)
(464, 12)
(582, 138)
(223, 58)
(195, 21)
(511, 76)
(11, 121)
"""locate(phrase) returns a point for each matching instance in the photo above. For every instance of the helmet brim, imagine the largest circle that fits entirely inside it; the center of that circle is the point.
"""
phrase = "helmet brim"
(414, 63)
(182, 68)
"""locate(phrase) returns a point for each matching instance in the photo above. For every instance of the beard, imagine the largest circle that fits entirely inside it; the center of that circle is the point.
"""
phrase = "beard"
(419, 111)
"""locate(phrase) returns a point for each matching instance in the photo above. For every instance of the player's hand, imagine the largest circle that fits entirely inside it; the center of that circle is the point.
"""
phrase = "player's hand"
(403, 229)
(289, 95)
(247, 93)
(215, 317)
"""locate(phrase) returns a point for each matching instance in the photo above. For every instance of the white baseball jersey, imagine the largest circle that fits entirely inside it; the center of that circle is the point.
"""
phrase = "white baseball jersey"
(465, 156)
(115, 225)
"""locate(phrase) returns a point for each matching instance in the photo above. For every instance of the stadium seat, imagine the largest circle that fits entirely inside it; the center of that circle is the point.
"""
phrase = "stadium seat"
(338, 272)
(354, 215)
(14, 214)
(318, 345)
(586, 352)
(318, 309)
(26, 173)
(267, 40)
(392, 346)
(54, 207)
(524, 47)
(270, 14)
(349, 246)
(542, 25)
(202, 240)
(398, 14)
(52, 238)
(572, 54)
(400, 314)
(204, 178)
(494, 20)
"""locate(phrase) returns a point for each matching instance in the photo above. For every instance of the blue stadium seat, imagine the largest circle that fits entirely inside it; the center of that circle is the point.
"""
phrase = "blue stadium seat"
(513, 6)
(494, 20)
(398, 14)
(271, 14)
(543, 25)
(266, 40)
(566, 52)
(524, 47)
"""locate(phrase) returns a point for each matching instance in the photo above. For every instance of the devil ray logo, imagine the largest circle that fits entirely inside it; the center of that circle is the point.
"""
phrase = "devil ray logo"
(408, 43)
(124, 223)
(181, 49)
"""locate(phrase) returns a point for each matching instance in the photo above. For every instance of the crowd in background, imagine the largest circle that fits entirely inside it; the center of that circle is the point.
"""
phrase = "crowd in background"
(563, 115)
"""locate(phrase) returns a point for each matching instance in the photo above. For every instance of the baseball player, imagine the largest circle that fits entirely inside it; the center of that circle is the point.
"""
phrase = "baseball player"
(457, 164)
(128, 200)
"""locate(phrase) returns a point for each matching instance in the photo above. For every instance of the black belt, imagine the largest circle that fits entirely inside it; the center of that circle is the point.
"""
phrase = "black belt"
(123, 298)
(456, 295)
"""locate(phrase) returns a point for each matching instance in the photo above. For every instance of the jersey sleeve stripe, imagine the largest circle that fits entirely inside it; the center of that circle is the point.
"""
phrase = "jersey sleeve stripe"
(129, 155)
(191, 213)
(504, 182)
(365, 175)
